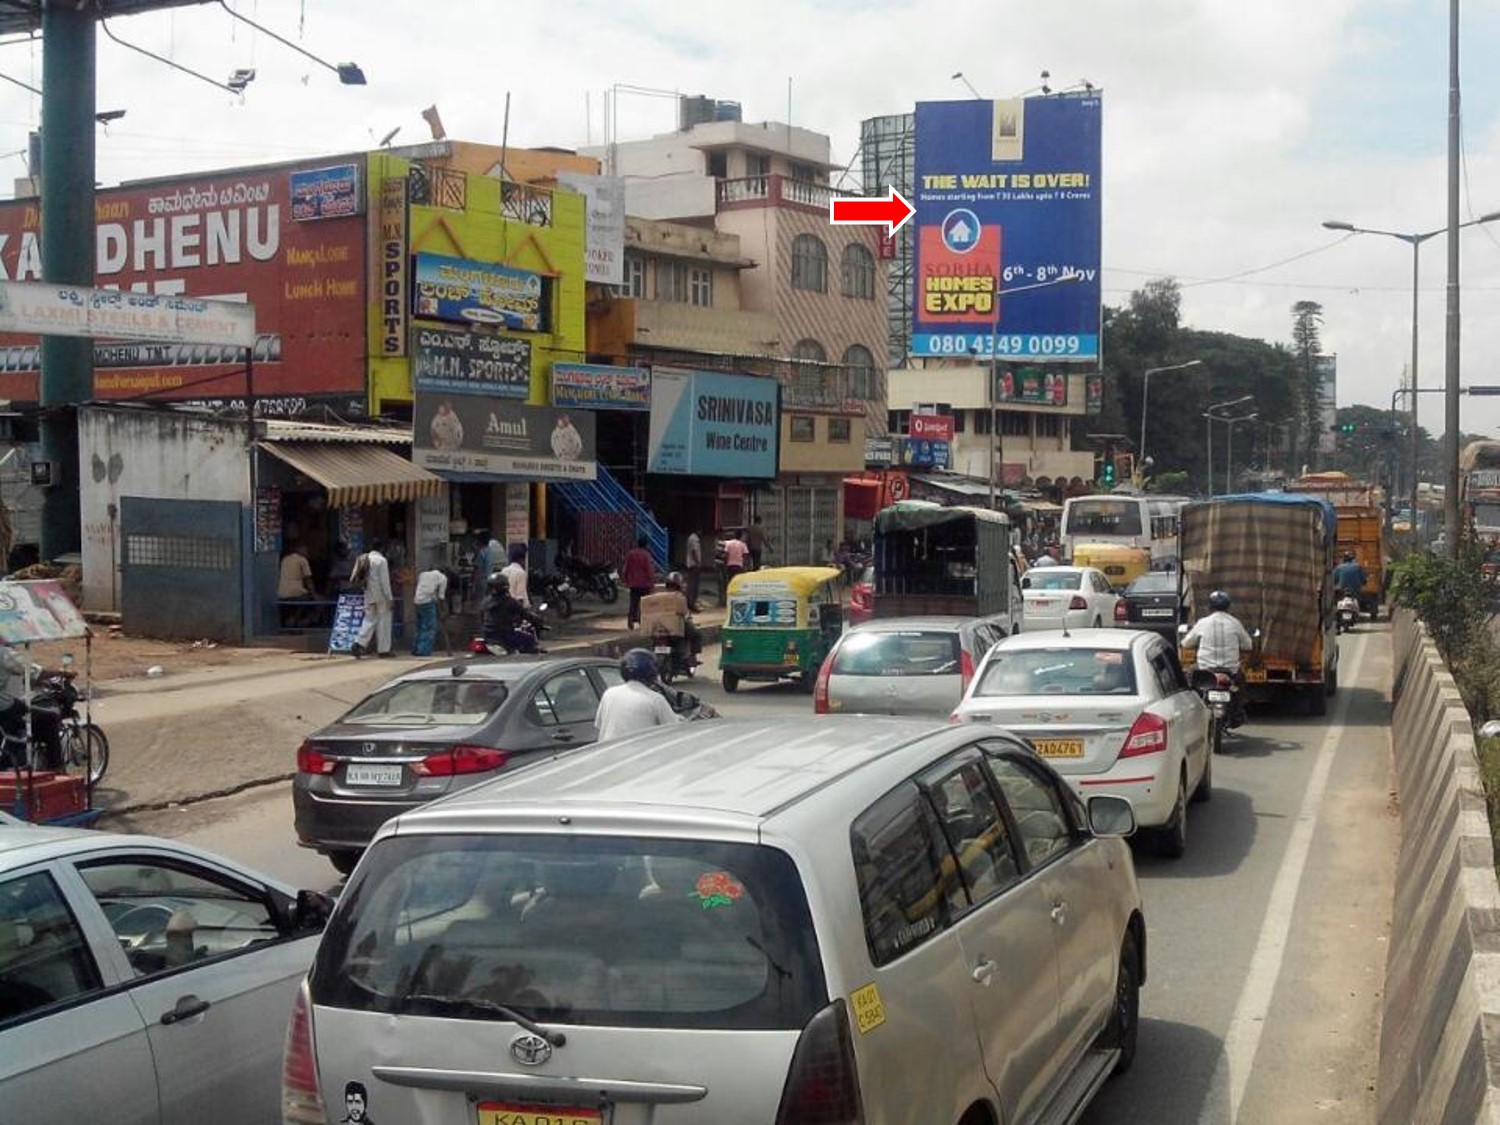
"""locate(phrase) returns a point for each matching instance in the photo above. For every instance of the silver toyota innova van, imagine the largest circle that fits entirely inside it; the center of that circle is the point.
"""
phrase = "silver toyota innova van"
(844, 920)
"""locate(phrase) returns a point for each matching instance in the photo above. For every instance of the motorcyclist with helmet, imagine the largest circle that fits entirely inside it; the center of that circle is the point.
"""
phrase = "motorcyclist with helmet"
(1218, 639)
(1349, 576)
(636, 704)
(506, 620)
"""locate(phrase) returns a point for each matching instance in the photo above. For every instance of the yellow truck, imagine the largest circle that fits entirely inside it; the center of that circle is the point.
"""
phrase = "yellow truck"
(1360, 531)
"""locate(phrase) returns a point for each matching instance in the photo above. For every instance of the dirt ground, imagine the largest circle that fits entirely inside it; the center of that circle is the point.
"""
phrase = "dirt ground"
(117, 656)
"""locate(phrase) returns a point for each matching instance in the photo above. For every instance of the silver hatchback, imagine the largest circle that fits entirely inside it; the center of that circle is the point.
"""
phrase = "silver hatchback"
(904, 665)
(859, 921)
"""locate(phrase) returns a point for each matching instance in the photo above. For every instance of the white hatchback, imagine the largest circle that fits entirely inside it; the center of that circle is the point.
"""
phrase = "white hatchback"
(1067, 597)
(1111, 711)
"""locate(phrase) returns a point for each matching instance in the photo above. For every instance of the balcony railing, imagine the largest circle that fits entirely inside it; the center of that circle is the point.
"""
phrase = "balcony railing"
(774, 191)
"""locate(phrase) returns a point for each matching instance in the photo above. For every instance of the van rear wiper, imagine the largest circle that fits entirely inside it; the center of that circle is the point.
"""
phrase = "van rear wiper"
(489, 1008)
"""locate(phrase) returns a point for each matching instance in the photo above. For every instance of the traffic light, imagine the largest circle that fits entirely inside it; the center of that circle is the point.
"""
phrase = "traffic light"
(1107, 472)
(1344, 427)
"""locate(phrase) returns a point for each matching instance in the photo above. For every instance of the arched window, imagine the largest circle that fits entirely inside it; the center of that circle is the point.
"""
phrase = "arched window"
(811, 351)
(809, 263)
(859, 271)
(807, 380)
(863, 380)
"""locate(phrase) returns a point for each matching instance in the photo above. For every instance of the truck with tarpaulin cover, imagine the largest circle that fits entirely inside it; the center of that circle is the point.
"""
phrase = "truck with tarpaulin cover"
(932, 560)
(1361, 528)
(1273, 553)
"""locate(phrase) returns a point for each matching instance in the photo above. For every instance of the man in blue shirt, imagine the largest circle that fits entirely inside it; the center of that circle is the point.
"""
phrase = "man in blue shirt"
(1349, 575)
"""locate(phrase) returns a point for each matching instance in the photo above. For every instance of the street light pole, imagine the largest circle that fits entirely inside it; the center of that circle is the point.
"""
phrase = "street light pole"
(1140, 456)
(1451, 352)
(1229, 448)
(1212, 418)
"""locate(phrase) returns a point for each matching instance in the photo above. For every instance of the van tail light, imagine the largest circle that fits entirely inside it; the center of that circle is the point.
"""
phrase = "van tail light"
(1148, 735)
(301, 1103)
(1078, 602)
(461, 760)
(1122, 615)
(965, 668)
(311, 760)
(820, 687)
(822, 1085)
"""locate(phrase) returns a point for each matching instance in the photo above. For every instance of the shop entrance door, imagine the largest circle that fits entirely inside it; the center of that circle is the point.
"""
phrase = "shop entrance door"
(808, 519)
(181, 570)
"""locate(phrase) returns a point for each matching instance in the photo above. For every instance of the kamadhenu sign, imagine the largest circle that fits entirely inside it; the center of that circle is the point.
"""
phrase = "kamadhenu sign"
(709, 424)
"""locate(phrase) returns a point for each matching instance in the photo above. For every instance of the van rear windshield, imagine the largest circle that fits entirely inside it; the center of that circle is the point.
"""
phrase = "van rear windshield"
(606, 931)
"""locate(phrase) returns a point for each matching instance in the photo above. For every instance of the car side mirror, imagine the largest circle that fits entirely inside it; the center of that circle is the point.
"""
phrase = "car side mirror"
(311, 911)
(1255, 633)
(1111, 816)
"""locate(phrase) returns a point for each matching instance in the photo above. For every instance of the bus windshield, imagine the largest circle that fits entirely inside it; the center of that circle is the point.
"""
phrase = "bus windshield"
(1104, 517)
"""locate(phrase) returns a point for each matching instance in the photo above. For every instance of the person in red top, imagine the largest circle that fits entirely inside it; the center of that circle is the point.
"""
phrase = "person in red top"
(638, 573)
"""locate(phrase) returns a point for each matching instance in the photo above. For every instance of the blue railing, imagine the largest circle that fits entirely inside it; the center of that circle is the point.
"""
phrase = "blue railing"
(606, 494)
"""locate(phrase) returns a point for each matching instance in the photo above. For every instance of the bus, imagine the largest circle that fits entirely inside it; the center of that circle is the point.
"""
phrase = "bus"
(1130, 533)
(1479, 484)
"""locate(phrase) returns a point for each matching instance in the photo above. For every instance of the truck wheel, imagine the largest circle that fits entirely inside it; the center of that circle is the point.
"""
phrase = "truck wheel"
(731, 682)
(1317, 701)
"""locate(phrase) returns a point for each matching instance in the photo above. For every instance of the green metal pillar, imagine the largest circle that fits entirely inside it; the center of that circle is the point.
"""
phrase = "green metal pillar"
(67, 234)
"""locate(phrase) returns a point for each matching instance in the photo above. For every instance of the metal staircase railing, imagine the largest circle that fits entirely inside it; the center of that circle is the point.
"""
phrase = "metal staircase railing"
(606, 494)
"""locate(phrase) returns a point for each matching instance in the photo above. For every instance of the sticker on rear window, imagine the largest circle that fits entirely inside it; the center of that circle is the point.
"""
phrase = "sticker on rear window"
(718, 888)
(869, 1010)
(1109, 657)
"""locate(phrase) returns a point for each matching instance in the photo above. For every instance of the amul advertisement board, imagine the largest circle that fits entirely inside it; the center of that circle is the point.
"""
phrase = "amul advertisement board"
(461, 433)
(1008, 228)
(231, 237)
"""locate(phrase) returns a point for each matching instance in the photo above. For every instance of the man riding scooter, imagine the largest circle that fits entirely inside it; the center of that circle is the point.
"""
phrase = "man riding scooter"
(1218, 639)
(508, 623)
(665, 618)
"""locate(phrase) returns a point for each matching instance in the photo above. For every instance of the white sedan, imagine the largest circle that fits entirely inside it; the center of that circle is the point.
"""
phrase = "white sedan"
(1111, 711)
(1067, 597)
(143, 981)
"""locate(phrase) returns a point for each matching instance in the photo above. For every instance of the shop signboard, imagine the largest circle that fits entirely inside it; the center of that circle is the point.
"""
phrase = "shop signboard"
(66, 310)
(325, 193)
(1326, 375)
(1033, 386)
(432, 524)
(348, 619)
(226, 237)
(706, 423)
(267, 520)
(604, 216)
(1093, 393)
(390, 277)
(462, 433)
(932, 427)
(1008, 228)
(922, 453)
(879, 452)
(517, 513)
(470, 362)
(599, 386)
(469, 292)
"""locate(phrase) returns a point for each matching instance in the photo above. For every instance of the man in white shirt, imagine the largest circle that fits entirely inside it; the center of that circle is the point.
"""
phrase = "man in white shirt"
(515, 574)
(694, 568)
(1218, 638)
(379, 606)
(432, 589)
(634, 705)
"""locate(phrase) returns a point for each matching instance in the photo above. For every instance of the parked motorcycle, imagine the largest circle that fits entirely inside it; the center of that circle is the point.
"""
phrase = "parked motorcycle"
(674, 655)
(599, 579)
(553, 589)
(84, 745)
(1346, 614)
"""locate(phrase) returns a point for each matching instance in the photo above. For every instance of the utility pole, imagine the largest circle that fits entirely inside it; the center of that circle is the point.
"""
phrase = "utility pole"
(1451, 359)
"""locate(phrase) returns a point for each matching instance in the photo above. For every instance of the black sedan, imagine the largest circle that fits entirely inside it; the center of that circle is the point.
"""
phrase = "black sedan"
(1152, 601)
(437, 730)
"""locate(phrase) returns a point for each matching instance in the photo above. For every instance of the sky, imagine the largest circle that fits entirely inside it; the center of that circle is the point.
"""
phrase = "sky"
(1231, 129)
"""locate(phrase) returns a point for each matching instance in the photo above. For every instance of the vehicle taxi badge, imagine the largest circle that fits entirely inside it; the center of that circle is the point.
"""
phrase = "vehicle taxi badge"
(530, 1050)
(717, 888)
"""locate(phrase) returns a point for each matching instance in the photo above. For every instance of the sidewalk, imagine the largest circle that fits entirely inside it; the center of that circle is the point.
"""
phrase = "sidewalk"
(208, 732)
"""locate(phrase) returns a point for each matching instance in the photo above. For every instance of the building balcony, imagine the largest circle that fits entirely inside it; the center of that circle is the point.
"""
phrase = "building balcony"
(774, 191)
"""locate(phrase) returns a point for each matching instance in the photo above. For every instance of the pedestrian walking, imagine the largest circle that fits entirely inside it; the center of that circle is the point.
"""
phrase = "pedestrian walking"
(379, 605)
(638, 573)
(736, 554)
(757, 540)
(693, 565)
(431, 590)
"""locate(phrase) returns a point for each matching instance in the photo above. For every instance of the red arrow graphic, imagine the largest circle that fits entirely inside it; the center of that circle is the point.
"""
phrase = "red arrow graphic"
(893, 210)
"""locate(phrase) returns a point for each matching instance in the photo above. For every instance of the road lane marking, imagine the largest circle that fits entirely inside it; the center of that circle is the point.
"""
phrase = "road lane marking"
(1243, 1037)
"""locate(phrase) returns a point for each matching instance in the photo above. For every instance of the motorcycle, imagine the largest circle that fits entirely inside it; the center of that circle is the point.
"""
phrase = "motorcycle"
(674, 655)
(1220, 692)
(686, 704)
(84, 744)
(555, 589)
(599, 579)
(1346, 614)
(494, 646)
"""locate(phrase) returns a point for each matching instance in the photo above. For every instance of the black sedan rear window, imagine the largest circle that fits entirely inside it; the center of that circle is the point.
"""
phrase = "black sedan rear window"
(1163, 583)
(452, 701)
(897, 654)
(619, 932)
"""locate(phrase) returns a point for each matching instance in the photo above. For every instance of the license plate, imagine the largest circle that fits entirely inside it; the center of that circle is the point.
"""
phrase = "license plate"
(1041, 603)
(1059, 747)
(504, 1113)
(372, 775)
(1218, 697)
(1156, 613)
(663, 650)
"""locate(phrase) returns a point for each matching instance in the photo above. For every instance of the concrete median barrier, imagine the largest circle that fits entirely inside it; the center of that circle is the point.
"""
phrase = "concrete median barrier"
(1440, 1033)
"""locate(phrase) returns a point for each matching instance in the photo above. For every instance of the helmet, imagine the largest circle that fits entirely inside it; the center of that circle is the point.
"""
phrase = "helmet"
(674, 581)
(1045, 560)
(1219, 601)
(1348, 556)
(638, 665)
(498, 581)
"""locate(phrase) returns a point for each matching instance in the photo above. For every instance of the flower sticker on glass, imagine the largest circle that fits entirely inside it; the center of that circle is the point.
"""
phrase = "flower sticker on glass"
(717, 888)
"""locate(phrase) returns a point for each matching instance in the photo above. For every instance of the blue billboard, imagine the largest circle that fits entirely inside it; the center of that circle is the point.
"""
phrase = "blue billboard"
(1008, 228)
(469, 292)
(709, 424)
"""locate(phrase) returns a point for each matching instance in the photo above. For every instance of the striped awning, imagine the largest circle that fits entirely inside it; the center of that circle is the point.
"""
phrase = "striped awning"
(356, 474)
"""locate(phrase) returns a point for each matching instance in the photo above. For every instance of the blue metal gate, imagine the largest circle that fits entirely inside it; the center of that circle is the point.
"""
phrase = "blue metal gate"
(182, 574)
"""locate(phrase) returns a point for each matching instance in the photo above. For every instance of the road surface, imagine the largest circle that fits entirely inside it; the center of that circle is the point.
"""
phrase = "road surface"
(1267, 942)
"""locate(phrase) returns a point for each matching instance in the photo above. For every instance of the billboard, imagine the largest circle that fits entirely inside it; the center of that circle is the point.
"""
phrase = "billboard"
(326, 193)
(1032, 385)
(599, 386)
(1326, 377)
(64, 310)
(228, 237)
(471, 292)
(604, 216)
(1008, 228)
(933, 427)
(709, 424)
(490, 436)
(447, 359)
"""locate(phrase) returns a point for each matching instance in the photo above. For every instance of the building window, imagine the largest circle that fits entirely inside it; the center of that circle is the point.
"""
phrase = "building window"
(981, 421)
(809, 263)
(897, 421)
(838, 430)
(864, 383)
(804, 427)
(1049, 425)
(635, 276)
(757, 164)
(671, 281)
(859, 272)
(718, 165)
(958, 420)
(809, 351)
(804, 173)
(1015, 424)
(701, 288)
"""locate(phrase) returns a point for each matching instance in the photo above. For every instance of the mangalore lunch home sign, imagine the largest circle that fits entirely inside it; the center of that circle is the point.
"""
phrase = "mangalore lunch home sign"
(709, 424)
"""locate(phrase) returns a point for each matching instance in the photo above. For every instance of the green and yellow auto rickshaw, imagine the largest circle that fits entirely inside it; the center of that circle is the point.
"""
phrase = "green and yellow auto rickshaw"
(782, 622)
